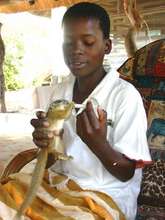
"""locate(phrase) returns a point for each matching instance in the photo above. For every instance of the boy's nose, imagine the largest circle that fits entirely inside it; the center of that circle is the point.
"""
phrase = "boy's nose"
(78, 48)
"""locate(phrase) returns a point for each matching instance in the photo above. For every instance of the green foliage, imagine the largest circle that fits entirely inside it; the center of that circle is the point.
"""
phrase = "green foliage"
(13, 61)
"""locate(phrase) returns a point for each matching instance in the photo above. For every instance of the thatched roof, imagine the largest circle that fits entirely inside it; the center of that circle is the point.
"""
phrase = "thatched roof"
(152, 11)
(12, 6)
(113, 6)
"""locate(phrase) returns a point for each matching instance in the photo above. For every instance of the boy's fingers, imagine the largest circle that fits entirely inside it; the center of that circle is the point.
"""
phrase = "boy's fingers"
(92, 116)
(42, 134)
(102, 114)
(40, 114)
(85, 124)
(41, 143)
(36, 123)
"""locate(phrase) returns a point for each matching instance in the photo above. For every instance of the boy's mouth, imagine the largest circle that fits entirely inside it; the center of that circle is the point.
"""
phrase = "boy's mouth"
(76, 64)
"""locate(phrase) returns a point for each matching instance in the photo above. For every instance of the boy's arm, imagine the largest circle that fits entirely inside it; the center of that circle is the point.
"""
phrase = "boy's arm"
(93, 131)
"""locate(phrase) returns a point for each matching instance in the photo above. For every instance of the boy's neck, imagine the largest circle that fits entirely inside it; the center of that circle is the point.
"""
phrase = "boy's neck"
(84, 86)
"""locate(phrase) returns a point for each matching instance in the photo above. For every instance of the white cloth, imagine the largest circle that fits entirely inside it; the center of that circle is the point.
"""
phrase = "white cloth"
(124, 107)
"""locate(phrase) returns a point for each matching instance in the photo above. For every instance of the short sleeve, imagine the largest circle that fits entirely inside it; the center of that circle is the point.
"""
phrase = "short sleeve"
(129, 132)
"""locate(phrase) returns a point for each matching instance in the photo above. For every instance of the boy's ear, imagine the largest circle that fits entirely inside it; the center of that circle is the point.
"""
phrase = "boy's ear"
(108, 46)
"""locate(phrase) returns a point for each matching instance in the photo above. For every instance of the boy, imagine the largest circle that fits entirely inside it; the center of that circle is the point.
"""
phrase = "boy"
(104, 158)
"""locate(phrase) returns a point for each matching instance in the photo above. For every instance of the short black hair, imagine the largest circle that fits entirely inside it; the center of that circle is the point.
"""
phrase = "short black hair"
(89, 10)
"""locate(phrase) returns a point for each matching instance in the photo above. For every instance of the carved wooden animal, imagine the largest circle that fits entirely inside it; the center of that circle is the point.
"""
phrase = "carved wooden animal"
(58, 112)
(129, 42)
(136, 25)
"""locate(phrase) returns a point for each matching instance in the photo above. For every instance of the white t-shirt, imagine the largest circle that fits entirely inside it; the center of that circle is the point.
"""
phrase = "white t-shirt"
(124, 107)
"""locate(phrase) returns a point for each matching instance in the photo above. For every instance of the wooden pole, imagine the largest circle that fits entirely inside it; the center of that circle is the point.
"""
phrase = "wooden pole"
(2, 81)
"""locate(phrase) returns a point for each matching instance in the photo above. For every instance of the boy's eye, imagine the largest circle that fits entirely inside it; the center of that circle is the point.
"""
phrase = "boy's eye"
(89, 43)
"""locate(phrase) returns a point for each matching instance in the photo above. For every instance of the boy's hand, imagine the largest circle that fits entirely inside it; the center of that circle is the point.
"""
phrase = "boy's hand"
(42, 137)
(92, 129)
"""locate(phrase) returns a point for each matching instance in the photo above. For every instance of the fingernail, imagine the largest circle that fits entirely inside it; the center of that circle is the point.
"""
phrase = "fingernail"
(50, 135)
(46, 123)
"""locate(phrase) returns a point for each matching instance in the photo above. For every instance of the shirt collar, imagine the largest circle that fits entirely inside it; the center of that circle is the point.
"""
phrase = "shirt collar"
(99, 93)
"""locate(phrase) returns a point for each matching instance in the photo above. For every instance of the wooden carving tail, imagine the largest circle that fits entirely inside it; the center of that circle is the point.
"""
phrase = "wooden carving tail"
(36, 180)
(2, 81)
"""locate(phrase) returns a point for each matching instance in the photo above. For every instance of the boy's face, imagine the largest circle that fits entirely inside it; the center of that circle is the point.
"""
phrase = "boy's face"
(84, 46)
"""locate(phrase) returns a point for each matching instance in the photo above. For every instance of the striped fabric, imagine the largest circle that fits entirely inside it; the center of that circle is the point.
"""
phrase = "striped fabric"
(58, 198)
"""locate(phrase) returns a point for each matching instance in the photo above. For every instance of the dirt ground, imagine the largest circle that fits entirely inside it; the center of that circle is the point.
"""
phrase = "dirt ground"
(15, 136)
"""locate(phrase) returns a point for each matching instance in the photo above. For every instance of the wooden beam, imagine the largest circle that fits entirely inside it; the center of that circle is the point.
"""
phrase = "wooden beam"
(23, 5)
(8, 2)
(151, 4)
